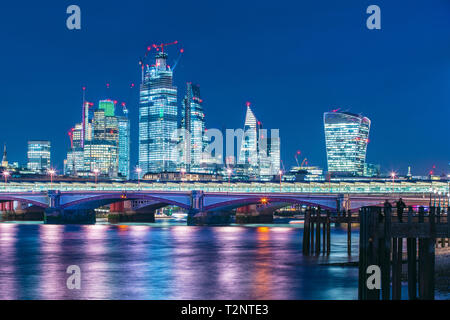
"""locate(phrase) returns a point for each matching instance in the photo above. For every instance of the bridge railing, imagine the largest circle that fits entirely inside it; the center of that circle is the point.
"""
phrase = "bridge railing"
(422, 189)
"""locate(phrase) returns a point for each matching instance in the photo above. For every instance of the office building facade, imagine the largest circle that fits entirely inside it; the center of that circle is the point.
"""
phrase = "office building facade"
(346, 136)
(158, 122)
(38, 155)
(193, 122)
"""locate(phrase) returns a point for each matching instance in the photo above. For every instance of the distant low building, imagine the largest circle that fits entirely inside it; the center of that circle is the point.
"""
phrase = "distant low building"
(372, 170)
(178, 176)
(306, 173)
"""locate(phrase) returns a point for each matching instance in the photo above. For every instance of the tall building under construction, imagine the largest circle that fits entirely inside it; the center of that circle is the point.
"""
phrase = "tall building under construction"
(158, 118)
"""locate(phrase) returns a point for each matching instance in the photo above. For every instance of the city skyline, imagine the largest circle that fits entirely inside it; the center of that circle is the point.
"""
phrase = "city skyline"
(384, 99)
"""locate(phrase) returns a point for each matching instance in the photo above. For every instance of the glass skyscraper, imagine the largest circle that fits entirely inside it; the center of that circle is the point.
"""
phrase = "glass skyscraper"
(124, 147)
(158, 121)
(38, 155)
(346, 136)
(193, 121)
(249, 146)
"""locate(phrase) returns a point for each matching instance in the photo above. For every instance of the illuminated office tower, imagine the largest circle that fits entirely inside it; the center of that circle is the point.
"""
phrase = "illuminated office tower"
(101, 155)
(124, 147)
(38, 155)
(158, 119)
(108, 106)
(193, 121)
(101, 152)
(75, 157)
(268, 153)
(346, 136)
(248, 155)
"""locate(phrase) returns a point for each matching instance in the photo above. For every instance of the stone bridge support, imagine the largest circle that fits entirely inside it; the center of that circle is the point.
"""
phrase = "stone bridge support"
(21, 211)
(198, 216)
(127, 212)
(55, 214)
(255, 214)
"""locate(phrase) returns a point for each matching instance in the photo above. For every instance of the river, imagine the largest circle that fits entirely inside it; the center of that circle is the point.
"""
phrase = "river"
(169, 260)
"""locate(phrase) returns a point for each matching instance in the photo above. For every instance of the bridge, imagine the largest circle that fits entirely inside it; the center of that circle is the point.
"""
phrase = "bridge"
(208, 202)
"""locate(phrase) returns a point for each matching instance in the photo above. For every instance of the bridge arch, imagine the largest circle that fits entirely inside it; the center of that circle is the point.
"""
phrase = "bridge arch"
(243, 201)
(33, 201)
(96, 201)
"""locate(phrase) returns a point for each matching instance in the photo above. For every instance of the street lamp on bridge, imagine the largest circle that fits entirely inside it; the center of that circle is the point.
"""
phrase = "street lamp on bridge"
(138, 171)
(393, 175)
(229, 171)
(6, 174)
(281, 176)
(96, 172)
(51, 172)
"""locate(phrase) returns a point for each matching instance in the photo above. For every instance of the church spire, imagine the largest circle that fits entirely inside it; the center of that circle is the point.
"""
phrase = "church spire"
(5, 158)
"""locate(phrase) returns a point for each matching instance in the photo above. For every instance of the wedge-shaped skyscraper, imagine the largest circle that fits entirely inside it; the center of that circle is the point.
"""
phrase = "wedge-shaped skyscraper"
(346, 136)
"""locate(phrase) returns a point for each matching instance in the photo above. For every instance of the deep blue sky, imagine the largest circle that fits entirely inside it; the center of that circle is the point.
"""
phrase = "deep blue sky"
(293, 60)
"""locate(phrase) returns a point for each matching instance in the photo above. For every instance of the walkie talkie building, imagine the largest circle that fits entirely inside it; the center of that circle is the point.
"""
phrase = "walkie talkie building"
(346, 136)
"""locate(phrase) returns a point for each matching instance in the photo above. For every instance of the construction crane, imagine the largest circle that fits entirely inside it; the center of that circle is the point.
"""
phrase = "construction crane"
(178, 59)
(296, 155)
(162, 45)
(143, 59)
(305, 161)
(157, 47)
(125, 110)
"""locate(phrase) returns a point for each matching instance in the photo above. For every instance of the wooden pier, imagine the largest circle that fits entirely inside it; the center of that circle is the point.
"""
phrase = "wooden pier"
(382, 240)
(383, 236)
(317, 228)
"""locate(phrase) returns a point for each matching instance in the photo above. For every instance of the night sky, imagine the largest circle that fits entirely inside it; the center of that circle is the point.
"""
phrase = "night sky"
(293, 60)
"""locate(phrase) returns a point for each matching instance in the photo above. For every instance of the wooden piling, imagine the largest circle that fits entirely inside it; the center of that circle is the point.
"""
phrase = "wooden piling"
(311, 230)
(368, 251)
(385, 262)
(411, 248)
(349, 232)
(318, 232)
(306, 231)
(324, 233)
(397, 257)
(328, 233)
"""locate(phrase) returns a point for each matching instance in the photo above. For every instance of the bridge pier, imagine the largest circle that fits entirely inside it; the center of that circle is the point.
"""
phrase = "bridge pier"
(123, 212)
(198, 217)
(55, 214)
(253, 214)
(67, 216)
(209, 218)
(19, 211)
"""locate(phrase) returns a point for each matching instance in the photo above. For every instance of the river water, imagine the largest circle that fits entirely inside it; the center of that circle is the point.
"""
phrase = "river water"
(169, 260)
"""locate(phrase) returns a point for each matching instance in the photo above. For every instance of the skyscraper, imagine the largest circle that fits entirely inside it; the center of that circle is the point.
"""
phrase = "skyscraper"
(75, 156)
(124, 147)
(101, 152)
(193, 121)
(38, 155)
(346, 136)
(248, 155)
(158, 118)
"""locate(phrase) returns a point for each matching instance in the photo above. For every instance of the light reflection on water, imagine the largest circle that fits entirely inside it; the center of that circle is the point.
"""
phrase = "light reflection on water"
(170, 261)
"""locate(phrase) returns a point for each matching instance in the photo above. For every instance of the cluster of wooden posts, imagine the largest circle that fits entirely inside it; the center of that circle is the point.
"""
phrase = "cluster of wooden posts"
(317, 226)
(382, 236)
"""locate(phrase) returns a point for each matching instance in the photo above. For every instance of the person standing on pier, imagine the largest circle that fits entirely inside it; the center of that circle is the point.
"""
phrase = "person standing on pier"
(400, 207)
